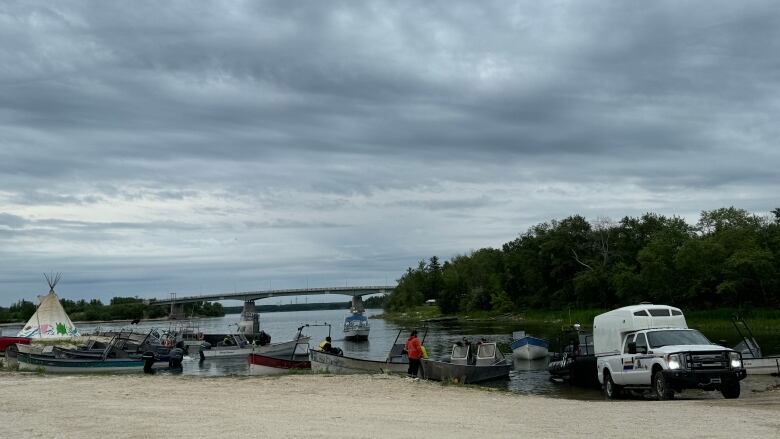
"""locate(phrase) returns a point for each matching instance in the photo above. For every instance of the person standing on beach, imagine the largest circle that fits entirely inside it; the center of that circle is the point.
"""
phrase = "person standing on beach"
(414, 352)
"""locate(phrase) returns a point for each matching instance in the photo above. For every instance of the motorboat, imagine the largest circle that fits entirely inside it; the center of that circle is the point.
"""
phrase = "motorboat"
(356, 327)
(525, 347)
(396, 361)
(753, 359)
(237, 345)
(274, 364)
(485, 363)
(576, 362)
(112, 358)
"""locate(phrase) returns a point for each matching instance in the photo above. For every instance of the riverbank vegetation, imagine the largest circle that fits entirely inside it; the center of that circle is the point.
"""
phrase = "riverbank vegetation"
(729, 259)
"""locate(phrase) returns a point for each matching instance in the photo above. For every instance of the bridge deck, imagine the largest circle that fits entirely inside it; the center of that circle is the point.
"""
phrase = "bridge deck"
(255, 295)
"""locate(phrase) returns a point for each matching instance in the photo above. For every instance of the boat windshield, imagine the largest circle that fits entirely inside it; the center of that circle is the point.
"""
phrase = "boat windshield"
(657, 339)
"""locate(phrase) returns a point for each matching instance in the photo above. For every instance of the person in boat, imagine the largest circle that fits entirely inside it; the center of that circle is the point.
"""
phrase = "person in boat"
(327, 347)
(413, 349)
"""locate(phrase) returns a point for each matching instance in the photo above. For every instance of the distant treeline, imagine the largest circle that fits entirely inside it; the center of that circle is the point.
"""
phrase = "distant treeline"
(119, 308)
(129, 308)
(729, 258)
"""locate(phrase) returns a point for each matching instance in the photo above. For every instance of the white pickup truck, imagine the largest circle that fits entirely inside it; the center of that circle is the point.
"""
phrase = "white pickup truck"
(650, 347)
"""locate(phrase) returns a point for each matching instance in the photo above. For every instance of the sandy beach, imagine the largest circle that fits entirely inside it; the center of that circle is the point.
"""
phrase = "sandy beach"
(358, 406)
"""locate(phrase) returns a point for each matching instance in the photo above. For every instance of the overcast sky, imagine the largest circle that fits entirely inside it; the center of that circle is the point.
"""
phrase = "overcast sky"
(194, 147)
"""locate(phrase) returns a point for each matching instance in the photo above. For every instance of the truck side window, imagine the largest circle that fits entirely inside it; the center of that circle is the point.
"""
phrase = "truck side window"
(641, 344)
(629, 339)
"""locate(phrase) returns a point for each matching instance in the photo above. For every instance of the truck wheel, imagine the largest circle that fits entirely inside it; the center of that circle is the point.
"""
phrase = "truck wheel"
(611, 390)
(661, 388)
(730, 390)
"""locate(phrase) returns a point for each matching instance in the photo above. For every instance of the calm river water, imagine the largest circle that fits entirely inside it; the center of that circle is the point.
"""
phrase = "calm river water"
(526, 377)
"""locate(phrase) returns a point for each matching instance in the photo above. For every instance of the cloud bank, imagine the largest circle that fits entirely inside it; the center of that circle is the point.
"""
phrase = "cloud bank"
(147, 148)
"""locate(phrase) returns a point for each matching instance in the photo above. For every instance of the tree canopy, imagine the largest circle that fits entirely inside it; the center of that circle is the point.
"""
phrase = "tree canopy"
(729, 258)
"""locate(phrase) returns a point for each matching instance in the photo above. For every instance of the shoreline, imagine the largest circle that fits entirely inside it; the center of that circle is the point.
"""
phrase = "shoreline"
(351, 406)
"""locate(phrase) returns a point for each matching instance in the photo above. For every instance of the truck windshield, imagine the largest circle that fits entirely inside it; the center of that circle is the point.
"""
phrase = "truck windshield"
(656, 339)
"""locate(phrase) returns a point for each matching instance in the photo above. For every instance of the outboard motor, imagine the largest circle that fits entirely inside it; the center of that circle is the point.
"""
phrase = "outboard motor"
(175, 357)
(149, 359)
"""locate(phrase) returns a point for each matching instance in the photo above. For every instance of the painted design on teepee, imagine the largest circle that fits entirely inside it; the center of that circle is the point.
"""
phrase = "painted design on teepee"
(50, 319)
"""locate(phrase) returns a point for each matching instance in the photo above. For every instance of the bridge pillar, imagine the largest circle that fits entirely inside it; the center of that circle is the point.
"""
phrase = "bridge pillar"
(177, 311)
(250, 319)
(357, 305)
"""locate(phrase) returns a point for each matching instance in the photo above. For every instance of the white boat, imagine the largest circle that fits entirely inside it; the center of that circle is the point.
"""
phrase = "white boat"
(356, 327)
(331, 363)
(236, 345)
(753, 359)
(762, 366)
(396, 361)
(526, 347)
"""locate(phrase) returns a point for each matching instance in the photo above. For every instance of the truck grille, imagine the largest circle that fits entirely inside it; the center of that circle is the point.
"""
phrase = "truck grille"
(707, 360)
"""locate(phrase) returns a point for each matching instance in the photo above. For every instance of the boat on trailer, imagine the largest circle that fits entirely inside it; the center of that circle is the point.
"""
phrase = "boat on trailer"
(753, 359)
(526, 347)
(396, 361)
(487, 364)
(576, 362)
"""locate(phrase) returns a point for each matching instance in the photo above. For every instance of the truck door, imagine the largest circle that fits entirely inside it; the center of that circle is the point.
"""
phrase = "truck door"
(639, 372)
(624, 363)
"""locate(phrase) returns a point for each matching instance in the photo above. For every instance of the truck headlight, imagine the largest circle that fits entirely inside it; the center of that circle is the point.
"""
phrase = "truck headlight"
(674, 361)
(736, 360)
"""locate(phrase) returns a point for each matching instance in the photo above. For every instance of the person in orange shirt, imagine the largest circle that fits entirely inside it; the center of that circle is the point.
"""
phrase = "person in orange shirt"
(414, 352)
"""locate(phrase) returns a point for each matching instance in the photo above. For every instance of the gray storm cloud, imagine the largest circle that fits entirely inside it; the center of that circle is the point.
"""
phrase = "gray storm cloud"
(150, 147)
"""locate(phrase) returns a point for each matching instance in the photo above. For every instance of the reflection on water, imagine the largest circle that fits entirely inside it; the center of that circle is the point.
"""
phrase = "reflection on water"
(527, 377)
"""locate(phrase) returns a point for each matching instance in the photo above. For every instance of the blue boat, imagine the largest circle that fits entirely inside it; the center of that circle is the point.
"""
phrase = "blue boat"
(526, 347)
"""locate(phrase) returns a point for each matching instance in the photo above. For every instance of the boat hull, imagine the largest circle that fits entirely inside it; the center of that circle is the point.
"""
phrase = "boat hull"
(463, 373)
(762, 366)
(278, 349)
(356, 334)
(579, 371)
(70, 365)
(270, 365)
(529, 348)
(330, 363)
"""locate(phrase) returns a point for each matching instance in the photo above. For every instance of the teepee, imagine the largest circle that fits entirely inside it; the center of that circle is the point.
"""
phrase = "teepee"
(50, 319)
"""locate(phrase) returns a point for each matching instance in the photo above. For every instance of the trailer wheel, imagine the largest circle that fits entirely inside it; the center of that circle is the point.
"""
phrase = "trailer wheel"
(611, 390)
(730, 390)
(661, 387)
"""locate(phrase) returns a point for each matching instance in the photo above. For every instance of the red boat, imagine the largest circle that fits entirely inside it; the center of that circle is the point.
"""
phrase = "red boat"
(6, 342)
(260, 364)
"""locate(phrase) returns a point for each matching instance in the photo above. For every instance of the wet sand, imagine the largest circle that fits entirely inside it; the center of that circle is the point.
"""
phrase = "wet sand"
(358, 406)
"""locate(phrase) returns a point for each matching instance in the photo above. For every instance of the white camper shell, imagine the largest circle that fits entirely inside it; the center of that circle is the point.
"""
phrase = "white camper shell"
(610, 328)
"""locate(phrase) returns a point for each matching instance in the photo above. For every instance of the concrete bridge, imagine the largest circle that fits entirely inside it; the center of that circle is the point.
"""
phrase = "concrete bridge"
(250, 319)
